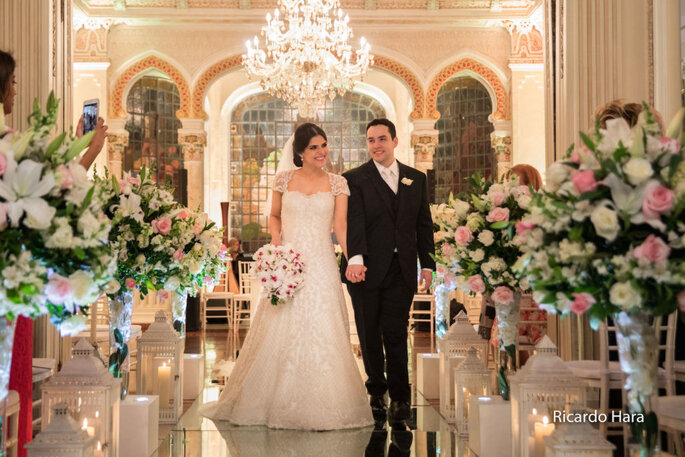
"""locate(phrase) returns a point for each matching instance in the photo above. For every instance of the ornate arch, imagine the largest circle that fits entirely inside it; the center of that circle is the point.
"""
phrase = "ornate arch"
(384, 63)
(408, 77)
(501, 108)
(207, 77)
(117, 109)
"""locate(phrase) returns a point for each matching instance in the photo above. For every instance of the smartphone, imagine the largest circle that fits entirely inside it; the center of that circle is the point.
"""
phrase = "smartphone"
(90, 114)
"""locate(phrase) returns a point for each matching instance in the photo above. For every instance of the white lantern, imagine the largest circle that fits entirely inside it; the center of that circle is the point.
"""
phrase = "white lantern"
(471, 377)
(62, 437)
(454, 347)
(160, 355)
(542, 386)
(91, 391)
(571, 439)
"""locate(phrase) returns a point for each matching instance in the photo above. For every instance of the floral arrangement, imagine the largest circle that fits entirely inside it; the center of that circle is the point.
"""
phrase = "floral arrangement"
(54, 257)
(280, 271)
(607, 238)
(475, 241)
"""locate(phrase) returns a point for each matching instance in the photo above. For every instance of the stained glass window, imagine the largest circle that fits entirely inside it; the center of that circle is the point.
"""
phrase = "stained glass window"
(464, 136)
(153, 132)
(260, 126)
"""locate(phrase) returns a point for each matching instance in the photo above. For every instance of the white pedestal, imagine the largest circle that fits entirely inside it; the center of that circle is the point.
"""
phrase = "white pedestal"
(428, 375)
(138, 425)
(485, 415)
(193, 375)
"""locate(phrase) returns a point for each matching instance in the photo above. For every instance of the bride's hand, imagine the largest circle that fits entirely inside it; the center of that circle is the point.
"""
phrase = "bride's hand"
(276, 241)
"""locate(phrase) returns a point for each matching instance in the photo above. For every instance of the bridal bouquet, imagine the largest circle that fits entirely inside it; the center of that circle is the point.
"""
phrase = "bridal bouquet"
(607, 238)
(54, 257)
(475, 240)
(280, 271)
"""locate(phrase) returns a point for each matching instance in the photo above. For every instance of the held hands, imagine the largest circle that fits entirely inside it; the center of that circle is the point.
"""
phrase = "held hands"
(427, 279)
(355, 273)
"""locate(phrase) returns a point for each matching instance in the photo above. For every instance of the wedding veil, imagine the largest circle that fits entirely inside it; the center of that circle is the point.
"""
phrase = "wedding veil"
(284, 164)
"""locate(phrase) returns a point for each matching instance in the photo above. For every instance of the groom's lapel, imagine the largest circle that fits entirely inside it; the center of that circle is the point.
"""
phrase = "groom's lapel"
(381, 187)
(403, 191)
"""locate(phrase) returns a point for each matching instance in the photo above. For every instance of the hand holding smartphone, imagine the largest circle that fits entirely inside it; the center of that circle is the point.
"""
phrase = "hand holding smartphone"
(90, 114)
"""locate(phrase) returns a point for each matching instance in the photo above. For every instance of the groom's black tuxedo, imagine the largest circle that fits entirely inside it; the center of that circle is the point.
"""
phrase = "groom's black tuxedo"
(390, 231)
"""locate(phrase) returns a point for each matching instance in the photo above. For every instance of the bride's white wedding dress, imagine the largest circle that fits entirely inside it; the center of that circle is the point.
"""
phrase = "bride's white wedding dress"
(296, 369)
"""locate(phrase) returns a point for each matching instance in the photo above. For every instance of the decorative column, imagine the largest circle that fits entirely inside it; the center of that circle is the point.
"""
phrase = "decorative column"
(117, 141)
(193, 139)
(424, 140)
(528, 91)
(500, 139)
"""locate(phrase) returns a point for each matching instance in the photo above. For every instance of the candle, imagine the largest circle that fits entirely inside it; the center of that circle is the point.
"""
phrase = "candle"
(89, 429)
(542, 429)
(533, 417)
(163, 378)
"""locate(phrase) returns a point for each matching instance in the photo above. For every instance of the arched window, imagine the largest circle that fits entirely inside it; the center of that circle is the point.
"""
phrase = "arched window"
(153, 132)
(260, 126)
(464, 136)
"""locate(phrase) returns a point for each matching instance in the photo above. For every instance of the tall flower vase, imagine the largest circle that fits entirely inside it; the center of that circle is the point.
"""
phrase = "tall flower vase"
(638, 354)
(121, 311)
(508, 316)
(179, 302)
(6, 340)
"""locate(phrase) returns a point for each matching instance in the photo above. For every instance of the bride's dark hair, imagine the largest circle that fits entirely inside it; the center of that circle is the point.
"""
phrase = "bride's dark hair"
(303, 135)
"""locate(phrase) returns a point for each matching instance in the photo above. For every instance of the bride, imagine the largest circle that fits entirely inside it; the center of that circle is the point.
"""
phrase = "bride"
(296, 369)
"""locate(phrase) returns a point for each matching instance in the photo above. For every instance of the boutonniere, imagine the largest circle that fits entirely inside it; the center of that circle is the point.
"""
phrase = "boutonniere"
(407, 181)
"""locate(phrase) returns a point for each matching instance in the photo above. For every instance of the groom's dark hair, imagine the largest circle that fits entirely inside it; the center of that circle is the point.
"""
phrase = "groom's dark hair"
(385, 122)
(303, 135)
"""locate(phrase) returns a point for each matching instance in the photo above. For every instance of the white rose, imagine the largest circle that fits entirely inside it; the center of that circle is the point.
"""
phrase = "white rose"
(437, 236)
(82, 284)
(605, 221)
(460, 208)
(73, 325)
(172, 283)
(557, 173)
(112, 287)
(623, 295)
(486, 237)
(477, 255)
(140, 259)
(638, 170)
(194, 267)
(524, 201)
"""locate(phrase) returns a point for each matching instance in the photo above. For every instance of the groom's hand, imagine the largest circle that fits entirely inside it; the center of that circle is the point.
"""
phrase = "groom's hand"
(355, 273)
(427, 278)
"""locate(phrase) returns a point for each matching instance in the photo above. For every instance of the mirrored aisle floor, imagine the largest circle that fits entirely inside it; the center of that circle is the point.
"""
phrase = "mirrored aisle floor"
(426, 434)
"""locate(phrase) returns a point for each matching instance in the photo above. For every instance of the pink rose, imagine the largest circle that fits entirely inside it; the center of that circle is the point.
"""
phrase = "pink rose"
(575, 155)
(503, 295)
(66, 177)
(450, 280)
(178, 255)
(653, 249)
(134, 180)
(476, 284)
(59, 290)
(208, 281)
(463, 235)
(582, 302)
(669, 145)
(584, 181)
(497, 198)
(3, 216)
(197, 228)
(130, 283)
(524, 226)
(161, 225)
(447, 250)
(223, 251)
(184, 214)
(498, 215)
(442, 270)
(658, 199)
(3, 163)
(681, 300)
(162, 294)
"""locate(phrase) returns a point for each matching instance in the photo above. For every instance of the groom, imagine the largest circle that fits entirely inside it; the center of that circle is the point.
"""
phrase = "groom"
(388, 226)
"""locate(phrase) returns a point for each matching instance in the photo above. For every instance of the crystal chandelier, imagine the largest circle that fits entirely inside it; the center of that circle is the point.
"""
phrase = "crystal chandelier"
(306, 57)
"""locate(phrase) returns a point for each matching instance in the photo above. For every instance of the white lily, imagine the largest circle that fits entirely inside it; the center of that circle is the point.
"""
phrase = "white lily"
(617, 131)
(627, 199)
(22, 187)
(129, 206)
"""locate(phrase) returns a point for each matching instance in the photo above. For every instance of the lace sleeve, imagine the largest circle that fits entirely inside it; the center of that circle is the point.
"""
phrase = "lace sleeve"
(282, 179)
(339, 185)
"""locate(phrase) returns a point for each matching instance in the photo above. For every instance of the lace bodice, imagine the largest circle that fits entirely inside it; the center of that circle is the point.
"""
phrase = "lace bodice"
(338, 183)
